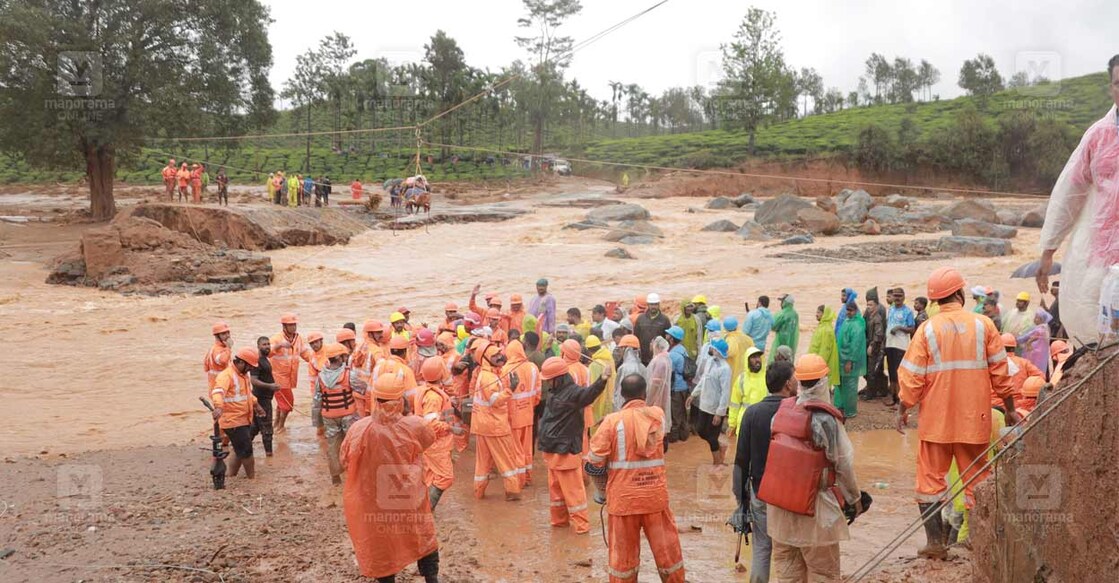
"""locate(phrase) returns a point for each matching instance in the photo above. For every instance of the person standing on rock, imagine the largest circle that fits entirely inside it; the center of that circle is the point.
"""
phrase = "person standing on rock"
(264, 389)
(952, 367)
(169, 172)
(287, 348)
(293, 190)
(649, 325)
(183, 176)
(196, 184)
(543, 307)
(217, 358)
(386, 505)
(223, 187)
(234, 408)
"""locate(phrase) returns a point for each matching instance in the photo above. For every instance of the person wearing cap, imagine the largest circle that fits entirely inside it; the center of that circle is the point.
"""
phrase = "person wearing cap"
(287, 348)
(196, 183)
(424, 349)
(1059, 352)
(543, 307)
(737, 344)
(786, 325)
(489, 422)
(399, 322)
(563, 333)
(318, 361)
(396, 363)
(678, 356)
(699, 303)
(1020, 370)
(364, 358)
(750, 457)
(264, 389)
(434, 405)
(168, 174)
(601, 361)
(649, 325)
(852, 361)
(748, 389)
(758, 323)
(235, 406)
(518, 317)
(451, 315)
(631, 365)
(901, 323)
(523, 379)
(630, 446)
(954, 363)
(217, 358)
(347, 338)
(338, 407)
(384, 499)
(713, 393)
(572, 353)
(1021, 319)
(979, 295)
(183, 179)
(561, 436)
(806, 544)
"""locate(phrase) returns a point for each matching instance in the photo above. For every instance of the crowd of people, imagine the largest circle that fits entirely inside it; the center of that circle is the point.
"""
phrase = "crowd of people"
(177, 179)
(602, 400)
(295, 189)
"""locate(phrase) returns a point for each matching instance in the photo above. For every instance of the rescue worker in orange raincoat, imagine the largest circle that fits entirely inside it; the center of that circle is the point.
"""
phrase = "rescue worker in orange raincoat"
(434, 405)
(523, 379)
(387, 511)
(562, 433)
(196, 184)
(169, 172)
(396, 363)
(217, 359)
(287, 348)
(1019, 368)
(235, 406)
(183, 177)
(489, 422)
(347, 338)
(517, 315)
(809, 478)
(317, 362)
(451, 315)
(339, 409)
(955, 362)
(629, 444)
(366, 356)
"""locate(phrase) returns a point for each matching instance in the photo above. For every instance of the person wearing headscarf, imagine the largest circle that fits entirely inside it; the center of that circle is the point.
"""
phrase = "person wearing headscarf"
(824, 342)
(737, 343)
(631, 364)
(847, 295)
(601, 360)
(712, 394)
(712, 332)
(659, 387)
(1034, 343)
(786, 324)
(875, 316)
(714, 313)
(852, 360)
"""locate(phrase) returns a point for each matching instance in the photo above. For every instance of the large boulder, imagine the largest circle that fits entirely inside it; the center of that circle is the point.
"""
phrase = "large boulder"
(752, 231)
(723, 226)
(781, 210)
(638, 240)
(619, 253)
(924, 217)
(980, 210)
(720, 203)
(846, 193)
(101, 250)
(630, 228)
(619, 212)
(855, 207)
(899, 201)
(973, 228)
(818, 221)
(827, 204)
(976, 246)
(798, 240)
(586, 224)
(884, 215)
(1035, 217)
(744, 199)
(870, 227)
(1009, 218)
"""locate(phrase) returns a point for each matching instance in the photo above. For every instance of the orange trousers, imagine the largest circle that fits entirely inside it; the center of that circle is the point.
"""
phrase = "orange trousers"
(439, 470)
(503, 452)
(624, 535)
(285, 399)
(935, 459)
(566, 492)
(523, 436)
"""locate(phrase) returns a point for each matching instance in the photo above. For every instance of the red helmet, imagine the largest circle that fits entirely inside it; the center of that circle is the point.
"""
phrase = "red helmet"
(425, 338)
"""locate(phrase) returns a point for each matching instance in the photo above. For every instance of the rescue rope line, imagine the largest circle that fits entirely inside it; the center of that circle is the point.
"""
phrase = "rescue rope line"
(284, 135)
(947, 496)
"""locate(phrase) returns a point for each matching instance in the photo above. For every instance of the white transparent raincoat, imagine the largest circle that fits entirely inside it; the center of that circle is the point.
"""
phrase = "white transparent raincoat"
(1085, 205)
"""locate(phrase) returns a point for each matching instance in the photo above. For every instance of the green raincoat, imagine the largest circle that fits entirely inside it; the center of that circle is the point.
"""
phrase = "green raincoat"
(852, 348)
(787, 326)
(690, 326)
(824, 345)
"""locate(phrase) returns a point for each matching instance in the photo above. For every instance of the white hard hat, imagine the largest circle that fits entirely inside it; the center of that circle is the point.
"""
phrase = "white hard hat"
(653, 299)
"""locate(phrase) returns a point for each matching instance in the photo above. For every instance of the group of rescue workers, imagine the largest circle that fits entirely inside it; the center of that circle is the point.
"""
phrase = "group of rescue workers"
(176, 179)
(601, 401)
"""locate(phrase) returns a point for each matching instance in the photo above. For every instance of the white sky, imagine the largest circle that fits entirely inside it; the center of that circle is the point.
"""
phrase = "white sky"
(676, 44)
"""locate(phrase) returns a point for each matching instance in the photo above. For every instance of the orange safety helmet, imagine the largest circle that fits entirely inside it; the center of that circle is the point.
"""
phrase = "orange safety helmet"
(1058, 349)
(249, 356)
(345, 334)
(398, 343)
(314, 337)
(219, 328)
(494, 301)
(571, 350)
(811, 367)
(944, 282)
(404, 310)
(425, 338)
(1032, 387)
(630, 341)
(516, 300)
(1009, 341)
(447, 338)
(433, 370)
(389, 386)
(552, 368)
(450, 307)
(288, 318)
(371, 326)
(479, 348)
(493, 313)
(641, 302)
(334, 349)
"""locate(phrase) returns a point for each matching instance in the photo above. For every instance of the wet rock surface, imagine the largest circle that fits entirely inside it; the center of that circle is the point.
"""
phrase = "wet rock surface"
(973, 228)
(781, 210)
(723, 226)
(976, 246)
(619, 212)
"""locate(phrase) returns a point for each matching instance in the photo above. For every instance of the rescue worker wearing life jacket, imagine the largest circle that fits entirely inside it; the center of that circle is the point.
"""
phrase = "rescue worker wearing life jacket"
(629, 445)
(316, 364)
(217, 359)
(523, 379)
(434, 405)
(562, 433)
(336, 398)
(396, 363)
(809, 476)
(1030, 392)
(235, 406)
(954, 363)
(287, 348)
(489, 422)
(384, 498)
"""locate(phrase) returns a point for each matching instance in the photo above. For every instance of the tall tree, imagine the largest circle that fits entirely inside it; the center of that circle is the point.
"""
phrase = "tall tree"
(904, 81)
(811, 85)
(549, 55)
(445, 77)
(980, 77)
(927, 76)
(87, 81)
(878, 71)
(336, 51)
(304, 88)
(758, 83)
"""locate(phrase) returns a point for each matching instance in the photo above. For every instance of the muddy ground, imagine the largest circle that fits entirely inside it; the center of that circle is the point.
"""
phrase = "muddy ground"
(117, 381)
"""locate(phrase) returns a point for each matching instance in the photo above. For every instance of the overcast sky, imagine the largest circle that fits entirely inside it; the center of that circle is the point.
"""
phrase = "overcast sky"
(678, 43)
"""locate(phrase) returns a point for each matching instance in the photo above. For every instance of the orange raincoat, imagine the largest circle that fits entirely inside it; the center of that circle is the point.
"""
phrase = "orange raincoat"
(495, 446)
(435, 407)
(284, 357)
(216, 360)
(233, 392)
(395, 365)
(525, 397)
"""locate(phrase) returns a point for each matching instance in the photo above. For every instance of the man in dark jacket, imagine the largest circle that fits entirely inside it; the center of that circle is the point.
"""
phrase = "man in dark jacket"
(749, 462)
(562, 438)
(875, 316)
(649, 325)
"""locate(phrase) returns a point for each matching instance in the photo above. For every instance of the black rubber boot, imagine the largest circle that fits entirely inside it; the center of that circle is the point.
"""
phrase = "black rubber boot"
(935, 534)
(429, 567)
(434, 494)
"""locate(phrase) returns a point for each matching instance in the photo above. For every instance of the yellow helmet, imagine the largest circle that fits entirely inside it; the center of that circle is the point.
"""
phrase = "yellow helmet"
(700, 299)
(396, 317)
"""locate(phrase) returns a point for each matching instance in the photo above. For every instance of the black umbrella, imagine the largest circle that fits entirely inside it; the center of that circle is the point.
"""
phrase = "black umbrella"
(1030, 270)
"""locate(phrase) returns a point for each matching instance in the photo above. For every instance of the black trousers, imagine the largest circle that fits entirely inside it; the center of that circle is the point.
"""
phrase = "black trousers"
(707, 431)
(679, 430)
(242, 441)
(893, 361)
(427, 566)
(263, 425)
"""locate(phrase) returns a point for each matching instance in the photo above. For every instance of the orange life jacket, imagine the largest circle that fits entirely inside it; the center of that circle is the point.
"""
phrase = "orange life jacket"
(795, 467)
(337, 401)
(216, 360)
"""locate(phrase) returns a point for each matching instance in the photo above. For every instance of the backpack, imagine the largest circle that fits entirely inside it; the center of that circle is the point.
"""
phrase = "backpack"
(690, 368)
